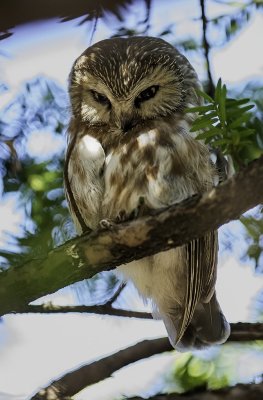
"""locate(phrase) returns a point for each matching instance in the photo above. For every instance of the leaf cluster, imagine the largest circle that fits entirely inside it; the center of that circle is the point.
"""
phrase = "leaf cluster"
(226, 122)
(193, 372)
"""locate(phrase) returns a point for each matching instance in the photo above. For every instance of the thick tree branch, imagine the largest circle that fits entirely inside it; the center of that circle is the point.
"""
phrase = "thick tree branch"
(99, 251)
(74, 381)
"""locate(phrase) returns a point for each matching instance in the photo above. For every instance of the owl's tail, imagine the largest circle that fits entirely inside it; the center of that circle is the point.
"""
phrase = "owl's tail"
(207, 327)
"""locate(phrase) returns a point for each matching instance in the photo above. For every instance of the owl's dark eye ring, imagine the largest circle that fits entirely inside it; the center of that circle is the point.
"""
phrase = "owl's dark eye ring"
(100, 98)
(146, 94)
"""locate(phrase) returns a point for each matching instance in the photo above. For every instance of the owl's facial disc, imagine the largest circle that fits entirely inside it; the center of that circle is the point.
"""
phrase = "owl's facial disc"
(140, 80)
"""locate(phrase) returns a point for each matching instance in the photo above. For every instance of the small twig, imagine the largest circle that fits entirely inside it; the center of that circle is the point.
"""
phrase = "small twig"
(115, 295)
(147, 18)
(240, 331)
(103, 309)
(211, 86)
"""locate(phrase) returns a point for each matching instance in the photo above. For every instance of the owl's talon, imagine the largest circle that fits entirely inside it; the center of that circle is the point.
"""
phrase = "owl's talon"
(121, 217)
(140, 210)
(106, 224)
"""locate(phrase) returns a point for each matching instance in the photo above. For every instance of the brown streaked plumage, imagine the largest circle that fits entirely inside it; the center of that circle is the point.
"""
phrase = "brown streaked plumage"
(130, 150)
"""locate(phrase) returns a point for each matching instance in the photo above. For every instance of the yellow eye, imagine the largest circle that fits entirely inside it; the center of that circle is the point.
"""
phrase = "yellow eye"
(146, 94)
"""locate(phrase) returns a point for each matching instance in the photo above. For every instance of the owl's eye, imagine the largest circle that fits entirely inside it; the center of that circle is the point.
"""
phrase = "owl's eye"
(100, 98)
(146, 94)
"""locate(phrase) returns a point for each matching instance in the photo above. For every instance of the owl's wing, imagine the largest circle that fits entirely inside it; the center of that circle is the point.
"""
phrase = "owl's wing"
(84, 184)
(72, 203)
(201, 255)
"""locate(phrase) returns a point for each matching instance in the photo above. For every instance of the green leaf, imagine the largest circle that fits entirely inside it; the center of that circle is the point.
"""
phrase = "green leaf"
(211, 116)
(206, 123)
(240, 120)
(218, 91)
(208, 98)
(207, 134)
(219, 142)
(201, 109)
(247, 108)
(235, 102)
(246, 132)
(233, 113)
(222, 105)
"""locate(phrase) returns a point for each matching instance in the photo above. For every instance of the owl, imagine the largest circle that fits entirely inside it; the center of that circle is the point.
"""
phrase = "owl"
(130, 150)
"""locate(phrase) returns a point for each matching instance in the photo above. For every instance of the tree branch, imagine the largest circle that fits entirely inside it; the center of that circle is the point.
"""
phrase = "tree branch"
(98, 251)
(211, 86)
(94, 372)
(240, 331)
(102, 309)
(75, 381)
(115, 295)
(239, 392)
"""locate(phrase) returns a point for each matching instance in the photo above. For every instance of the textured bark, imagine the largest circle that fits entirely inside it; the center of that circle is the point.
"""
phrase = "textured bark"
(99, 251)
(74, 381)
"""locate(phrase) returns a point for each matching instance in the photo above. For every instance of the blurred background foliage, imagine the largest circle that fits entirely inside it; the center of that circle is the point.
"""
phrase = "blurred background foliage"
(41, 109)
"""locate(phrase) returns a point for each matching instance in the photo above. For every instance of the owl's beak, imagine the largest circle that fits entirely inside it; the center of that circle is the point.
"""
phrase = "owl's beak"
(127, 123)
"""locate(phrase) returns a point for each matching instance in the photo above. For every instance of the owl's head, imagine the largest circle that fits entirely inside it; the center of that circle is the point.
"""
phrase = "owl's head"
(123, 81)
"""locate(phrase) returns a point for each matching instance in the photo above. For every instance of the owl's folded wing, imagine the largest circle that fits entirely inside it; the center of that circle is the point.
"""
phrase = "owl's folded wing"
(201, 255)
(84, 184)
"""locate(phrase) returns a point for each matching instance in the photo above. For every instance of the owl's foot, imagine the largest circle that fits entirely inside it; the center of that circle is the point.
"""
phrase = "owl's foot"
(122, 216)
(140, 210)
(106, 224)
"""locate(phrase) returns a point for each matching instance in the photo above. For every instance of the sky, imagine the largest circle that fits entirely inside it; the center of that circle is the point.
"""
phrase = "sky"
(37, 348)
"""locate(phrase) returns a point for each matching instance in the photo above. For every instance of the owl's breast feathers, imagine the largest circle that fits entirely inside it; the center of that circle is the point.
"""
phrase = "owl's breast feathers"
(160, 163)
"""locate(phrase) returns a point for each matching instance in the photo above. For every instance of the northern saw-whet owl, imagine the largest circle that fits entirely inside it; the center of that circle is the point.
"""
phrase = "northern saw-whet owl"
(130, 149)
